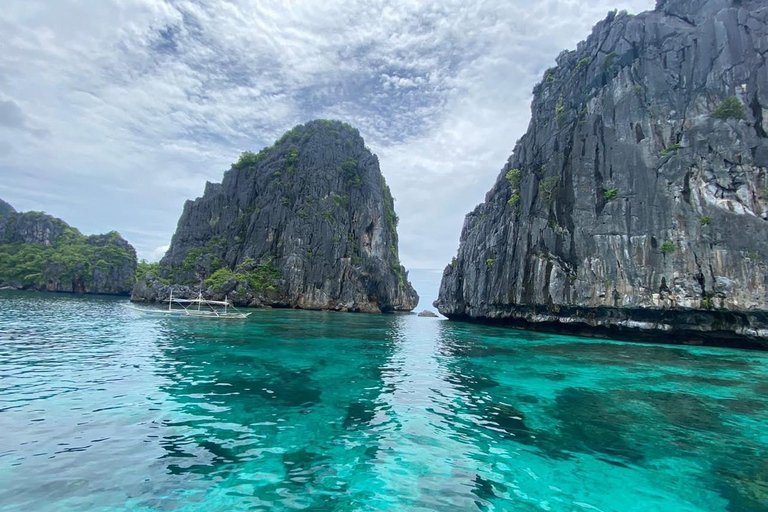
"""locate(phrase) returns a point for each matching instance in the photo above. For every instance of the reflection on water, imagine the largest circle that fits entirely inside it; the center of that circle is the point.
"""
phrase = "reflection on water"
(104, 410)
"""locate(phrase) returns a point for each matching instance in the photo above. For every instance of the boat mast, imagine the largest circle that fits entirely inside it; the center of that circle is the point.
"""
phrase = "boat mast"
(170, 300)
(199, 300)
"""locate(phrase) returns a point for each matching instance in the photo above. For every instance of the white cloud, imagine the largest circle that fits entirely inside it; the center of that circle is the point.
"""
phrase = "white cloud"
(142, 101)
(158, 253)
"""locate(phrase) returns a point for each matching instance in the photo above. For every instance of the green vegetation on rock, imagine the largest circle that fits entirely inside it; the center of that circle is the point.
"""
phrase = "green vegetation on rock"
(341, 201)
(351, 173)
(730, 108)
(144, 267)
(560, 112)
(190, 261)
(292, 159)
(548, 189)
(6, 209)
(249, 158)
(610, 195)
(668, 247)
(262, 277)
(514, 177)
(330, 123)
(389, 208)
(670, 149)
(70, 263)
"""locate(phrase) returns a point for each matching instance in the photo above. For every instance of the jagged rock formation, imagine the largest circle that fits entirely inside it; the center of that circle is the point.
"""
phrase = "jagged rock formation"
(637, 202)
(307, 223)
(6, 209)
(41, 252)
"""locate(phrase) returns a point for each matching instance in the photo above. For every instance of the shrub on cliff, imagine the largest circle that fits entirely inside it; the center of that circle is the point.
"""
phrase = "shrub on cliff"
(144, 267)
(548, 189)
(668, 247)
(730, 108)
(262, 277)
(249, 158)
(513, 177)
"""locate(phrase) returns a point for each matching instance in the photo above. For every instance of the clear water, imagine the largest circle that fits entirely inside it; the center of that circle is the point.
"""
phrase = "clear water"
(293, 410)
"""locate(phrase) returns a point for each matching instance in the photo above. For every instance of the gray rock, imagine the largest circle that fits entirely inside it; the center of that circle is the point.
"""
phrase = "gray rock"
(151, 289)
(628, 209)
(428, 314)
(307, 223)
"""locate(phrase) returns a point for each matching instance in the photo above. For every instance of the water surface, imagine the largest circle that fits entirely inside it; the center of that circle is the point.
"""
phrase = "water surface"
(101, 409)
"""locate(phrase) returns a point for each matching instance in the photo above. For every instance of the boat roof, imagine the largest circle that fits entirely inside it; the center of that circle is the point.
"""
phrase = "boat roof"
(200, 301)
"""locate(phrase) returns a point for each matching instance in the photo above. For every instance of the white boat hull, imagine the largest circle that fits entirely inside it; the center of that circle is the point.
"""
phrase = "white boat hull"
(189, 314)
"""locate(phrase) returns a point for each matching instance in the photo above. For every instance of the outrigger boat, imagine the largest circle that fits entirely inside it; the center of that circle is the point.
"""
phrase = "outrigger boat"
(186, 308)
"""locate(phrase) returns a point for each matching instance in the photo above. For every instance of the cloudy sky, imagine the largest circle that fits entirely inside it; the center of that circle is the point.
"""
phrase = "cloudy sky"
(114, 112)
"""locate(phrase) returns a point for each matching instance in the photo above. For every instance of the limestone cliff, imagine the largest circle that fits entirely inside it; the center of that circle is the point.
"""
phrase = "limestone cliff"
(41, 252)
(636, 205)
(306, 223)
(6, 209)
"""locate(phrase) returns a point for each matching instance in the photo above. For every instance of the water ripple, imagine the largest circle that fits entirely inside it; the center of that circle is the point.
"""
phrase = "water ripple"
(103, 410)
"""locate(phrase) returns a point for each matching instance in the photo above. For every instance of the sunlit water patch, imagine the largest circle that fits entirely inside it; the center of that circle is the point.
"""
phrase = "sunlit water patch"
(101, 409)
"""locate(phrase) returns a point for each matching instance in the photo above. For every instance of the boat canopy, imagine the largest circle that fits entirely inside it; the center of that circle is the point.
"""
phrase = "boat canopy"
(199, 301)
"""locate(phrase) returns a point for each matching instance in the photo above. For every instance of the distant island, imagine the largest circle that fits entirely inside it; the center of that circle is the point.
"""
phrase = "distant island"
(636, 205)
(306, 223)
(44, 253)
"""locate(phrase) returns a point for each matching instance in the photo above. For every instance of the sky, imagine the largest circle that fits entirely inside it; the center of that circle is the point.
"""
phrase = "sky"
(113, 113)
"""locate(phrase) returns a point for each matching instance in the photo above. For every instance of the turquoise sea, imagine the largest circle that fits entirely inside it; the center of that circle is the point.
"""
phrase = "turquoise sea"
(104, 410)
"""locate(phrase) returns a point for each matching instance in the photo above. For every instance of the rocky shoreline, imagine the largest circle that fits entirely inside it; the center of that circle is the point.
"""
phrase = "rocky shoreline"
(717, 328)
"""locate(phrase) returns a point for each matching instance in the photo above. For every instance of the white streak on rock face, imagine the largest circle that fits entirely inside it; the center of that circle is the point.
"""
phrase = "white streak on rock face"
(633, 196)
(765, 119)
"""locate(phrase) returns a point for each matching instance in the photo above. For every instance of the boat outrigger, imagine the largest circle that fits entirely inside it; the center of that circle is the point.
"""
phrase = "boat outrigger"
(186, 308)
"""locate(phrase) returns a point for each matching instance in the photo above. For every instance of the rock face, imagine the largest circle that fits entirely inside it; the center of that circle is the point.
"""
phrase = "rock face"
(307, 223)
(6, 209)
(636, 205)
(41, 252)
